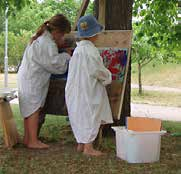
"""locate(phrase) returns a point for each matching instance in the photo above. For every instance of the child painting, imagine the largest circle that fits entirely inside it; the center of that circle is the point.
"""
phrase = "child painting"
(41, 59)
(86, 97)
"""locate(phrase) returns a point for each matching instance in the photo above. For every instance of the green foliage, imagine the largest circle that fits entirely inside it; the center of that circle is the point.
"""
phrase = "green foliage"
(2, 25)
(33, 15)
(141, 51)
(23, 22)
(155, 32)
(12, 4)
(16, 46)
(156, 20)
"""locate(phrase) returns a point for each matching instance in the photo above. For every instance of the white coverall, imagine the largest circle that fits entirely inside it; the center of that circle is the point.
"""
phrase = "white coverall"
(40, 60)
(86, 96)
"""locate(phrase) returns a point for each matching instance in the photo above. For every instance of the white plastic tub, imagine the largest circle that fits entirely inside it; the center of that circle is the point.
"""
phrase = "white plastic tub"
(138, 147)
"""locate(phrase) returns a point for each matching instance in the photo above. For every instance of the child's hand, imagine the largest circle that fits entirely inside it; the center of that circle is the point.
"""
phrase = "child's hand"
(69, 51)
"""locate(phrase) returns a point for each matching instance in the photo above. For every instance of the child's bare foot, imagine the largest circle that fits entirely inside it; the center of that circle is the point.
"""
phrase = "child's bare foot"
(45, 146)
(34, 145)
(89, 150)
(80, 147)
(93, 152)
(25, 142)
(37, 145)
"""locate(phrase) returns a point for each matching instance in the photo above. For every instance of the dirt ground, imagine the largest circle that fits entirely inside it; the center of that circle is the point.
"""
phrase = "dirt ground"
(62, 158)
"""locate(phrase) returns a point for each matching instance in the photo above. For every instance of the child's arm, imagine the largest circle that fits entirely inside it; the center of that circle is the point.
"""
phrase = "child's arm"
(99, 71)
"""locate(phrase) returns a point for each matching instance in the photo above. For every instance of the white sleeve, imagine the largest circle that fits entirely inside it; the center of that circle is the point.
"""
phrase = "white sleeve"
(48, 57)
(98, 70)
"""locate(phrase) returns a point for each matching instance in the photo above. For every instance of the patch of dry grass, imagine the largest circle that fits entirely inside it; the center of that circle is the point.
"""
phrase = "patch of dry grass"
(167, 75)
(156, 98)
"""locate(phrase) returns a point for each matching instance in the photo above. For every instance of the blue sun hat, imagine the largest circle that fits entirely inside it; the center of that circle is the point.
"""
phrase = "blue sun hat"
(88, 26)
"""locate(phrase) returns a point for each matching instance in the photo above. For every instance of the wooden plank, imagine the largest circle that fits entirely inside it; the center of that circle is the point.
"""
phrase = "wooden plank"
(124, 83)
(111, 38)
(102, 12)
(82, 10)
(114, 39)
(8, 124)
(114, 91)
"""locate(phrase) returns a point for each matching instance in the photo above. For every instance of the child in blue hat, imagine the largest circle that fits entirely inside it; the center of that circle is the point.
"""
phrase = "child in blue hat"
(86, 96)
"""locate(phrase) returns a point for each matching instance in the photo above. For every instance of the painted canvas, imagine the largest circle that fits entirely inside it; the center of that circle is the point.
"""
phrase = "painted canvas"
(115, 59)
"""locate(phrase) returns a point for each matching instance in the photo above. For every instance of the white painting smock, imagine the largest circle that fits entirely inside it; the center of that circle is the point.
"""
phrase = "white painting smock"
(86, 96)
(40, 60)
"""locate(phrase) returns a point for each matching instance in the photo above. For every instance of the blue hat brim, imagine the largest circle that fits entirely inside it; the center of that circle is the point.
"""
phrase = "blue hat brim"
(90, 33)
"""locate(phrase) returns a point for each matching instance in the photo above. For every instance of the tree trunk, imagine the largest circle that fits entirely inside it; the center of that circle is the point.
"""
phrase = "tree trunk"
(139, 78)
(119, 17)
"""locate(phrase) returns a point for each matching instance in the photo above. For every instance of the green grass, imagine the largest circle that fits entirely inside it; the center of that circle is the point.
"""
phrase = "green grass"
(156, 98)
(172, 127)
(50, 130)
(158, 74)
(62, 157)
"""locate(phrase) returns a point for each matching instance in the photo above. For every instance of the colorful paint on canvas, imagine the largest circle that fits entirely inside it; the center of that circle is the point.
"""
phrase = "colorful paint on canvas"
(115, 60)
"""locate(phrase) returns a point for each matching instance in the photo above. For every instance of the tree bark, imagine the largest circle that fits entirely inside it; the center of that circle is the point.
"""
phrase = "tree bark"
(119, 17)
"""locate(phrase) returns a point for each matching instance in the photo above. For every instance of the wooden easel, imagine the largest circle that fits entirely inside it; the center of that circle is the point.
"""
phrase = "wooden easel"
(82, 10)
(8, 124)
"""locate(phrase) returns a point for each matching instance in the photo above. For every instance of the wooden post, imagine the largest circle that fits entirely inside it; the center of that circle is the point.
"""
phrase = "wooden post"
(102, 12)
(8, 124)
(82, 10)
